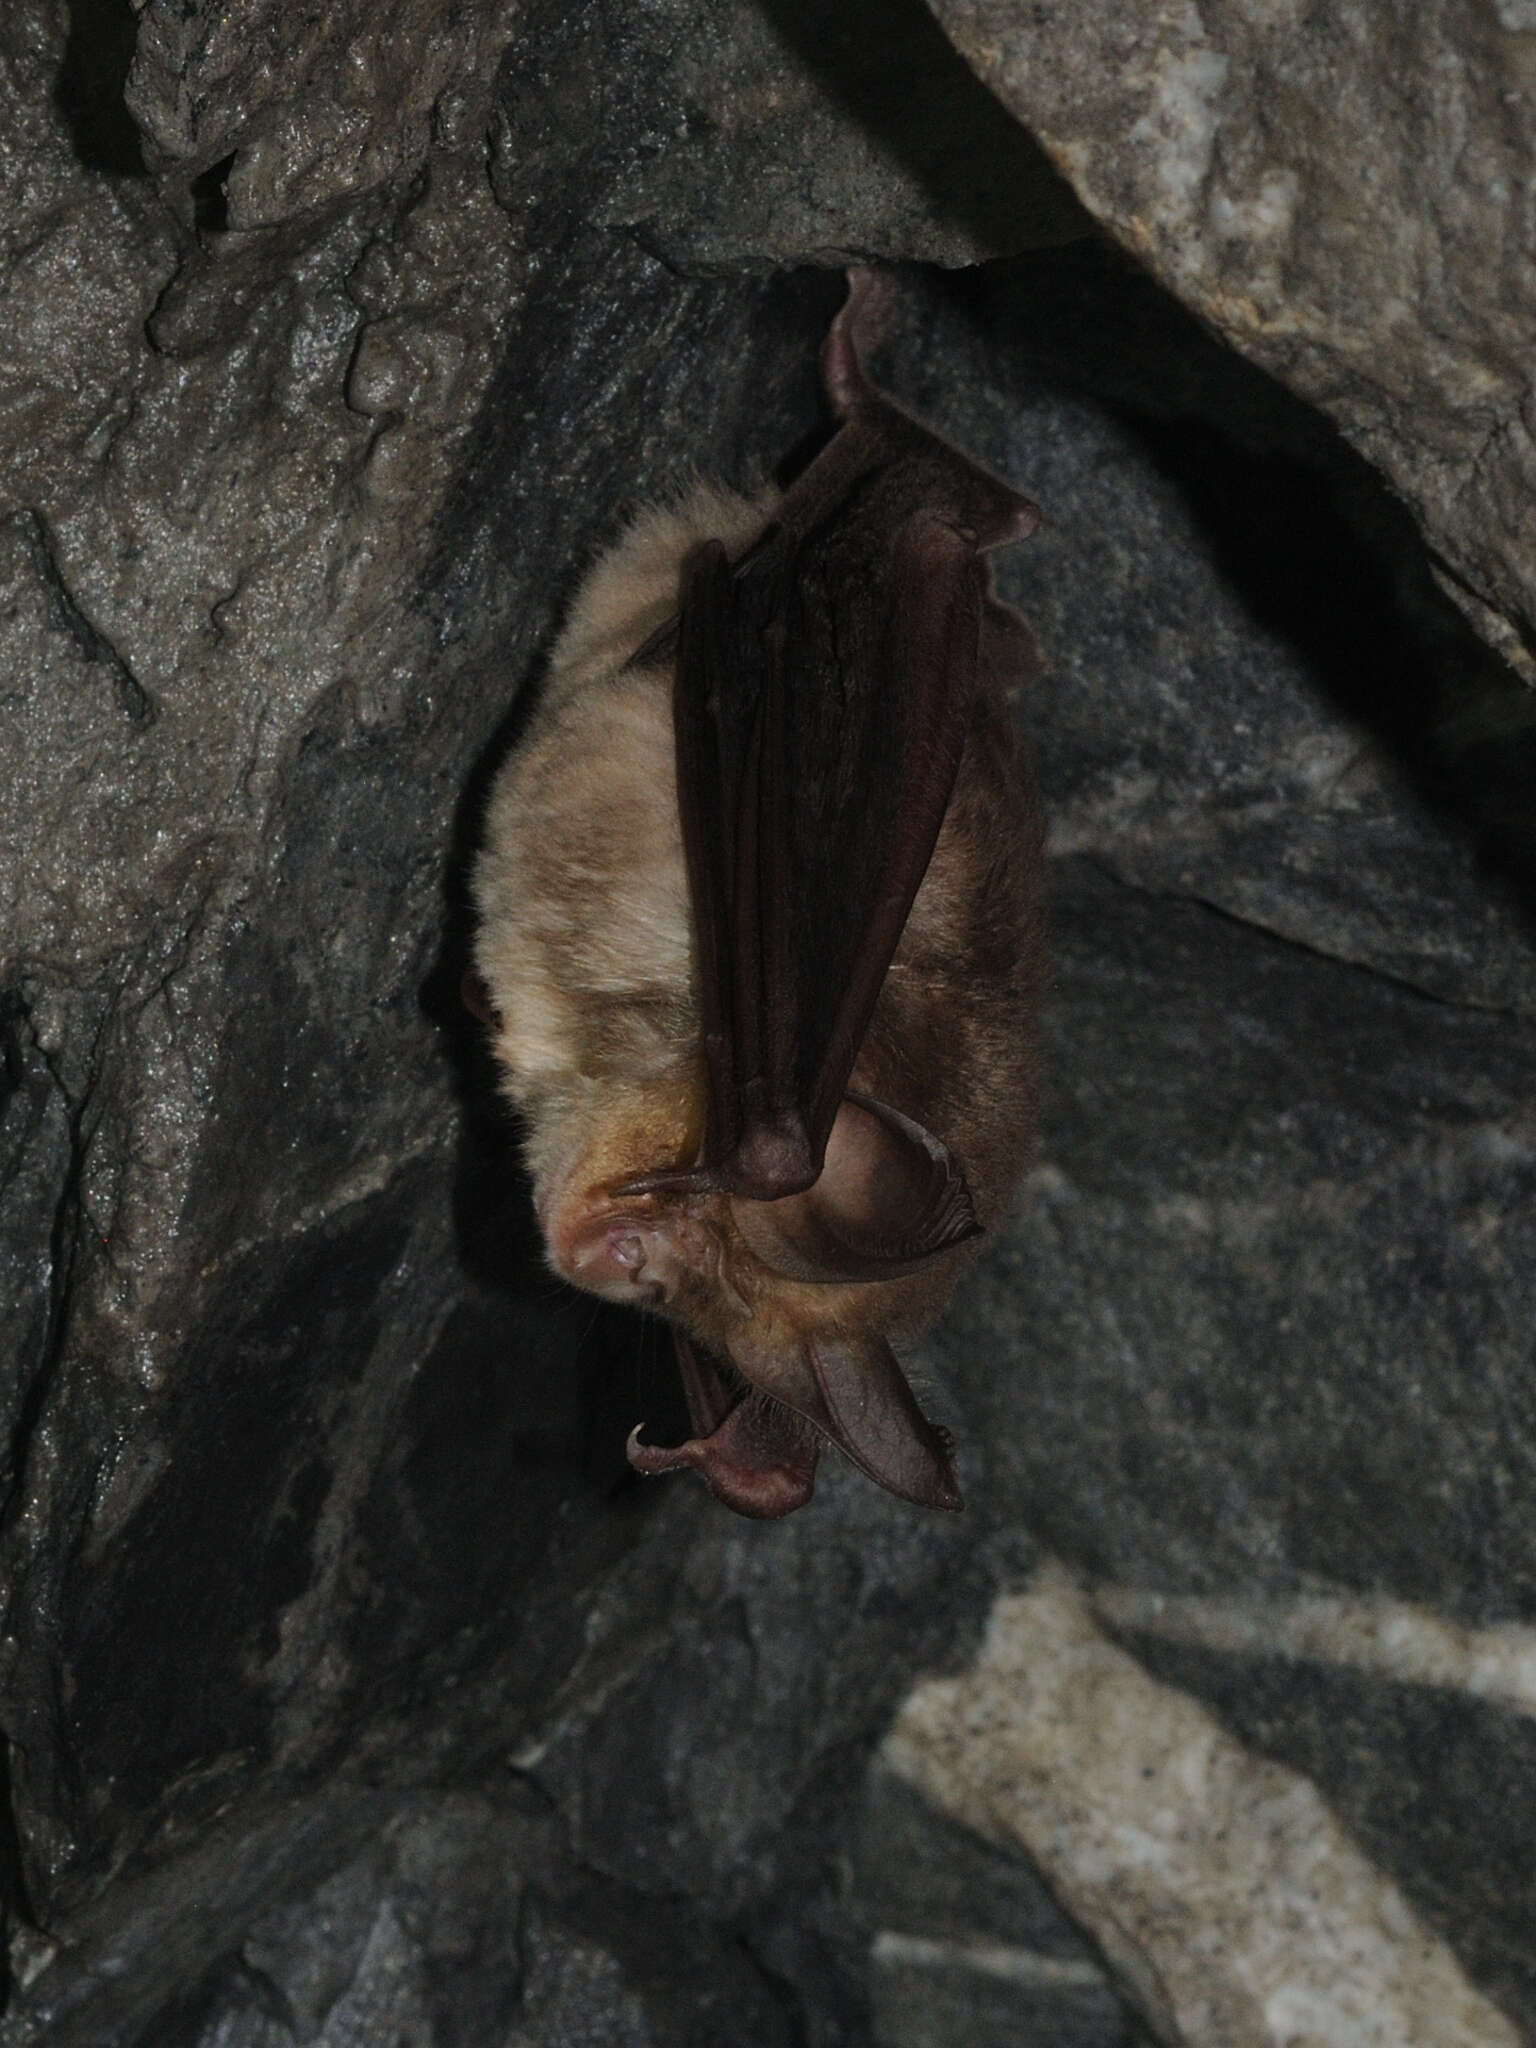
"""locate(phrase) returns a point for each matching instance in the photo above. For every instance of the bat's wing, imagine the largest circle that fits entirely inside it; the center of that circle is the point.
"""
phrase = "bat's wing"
(824, 685)
(817, 748)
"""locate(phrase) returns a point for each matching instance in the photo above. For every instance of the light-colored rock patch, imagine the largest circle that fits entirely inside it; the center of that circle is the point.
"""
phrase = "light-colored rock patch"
(1392, 1639)
(1224, 1894)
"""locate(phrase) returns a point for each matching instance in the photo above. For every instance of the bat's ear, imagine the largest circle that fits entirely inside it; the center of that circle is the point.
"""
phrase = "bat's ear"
(889, 1198)
(853, 1393)
(873, 1417)
(856, 328)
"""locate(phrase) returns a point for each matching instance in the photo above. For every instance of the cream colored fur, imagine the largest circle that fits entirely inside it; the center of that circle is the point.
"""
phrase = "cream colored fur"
(584, 940)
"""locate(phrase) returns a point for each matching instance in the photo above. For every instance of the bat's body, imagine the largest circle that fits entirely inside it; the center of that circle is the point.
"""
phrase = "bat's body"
(743, 1108)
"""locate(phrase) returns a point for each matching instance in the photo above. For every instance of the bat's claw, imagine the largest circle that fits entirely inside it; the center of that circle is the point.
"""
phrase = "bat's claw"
(760, 1461)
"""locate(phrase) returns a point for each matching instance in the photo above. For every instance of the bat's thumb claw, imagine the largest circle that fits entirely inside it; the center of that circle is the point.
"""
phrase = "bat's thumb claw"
(651, 1459)
(632, 1444)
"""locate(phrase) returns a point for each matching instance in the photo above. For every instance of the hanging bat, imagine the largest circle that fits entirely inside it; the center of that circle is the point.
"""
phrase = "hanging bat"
(759, 938)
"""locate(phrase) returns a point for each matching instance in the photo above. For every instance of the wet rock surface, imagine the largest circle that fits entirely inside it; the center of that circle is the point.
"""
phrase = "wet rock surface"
(351, 1684)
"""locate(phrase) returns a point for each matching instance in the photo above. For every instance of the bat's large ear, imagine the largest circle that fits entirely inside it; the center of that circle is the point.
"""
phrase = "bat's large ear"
(873, 1417)
(856, 328)
(853, 1393)
(889, 1198)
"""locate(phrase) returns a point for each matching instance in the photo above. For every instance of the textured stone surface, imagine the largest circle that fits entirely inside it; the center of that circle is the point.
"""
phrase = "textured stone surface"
(967, 1943)
(203, 553)
(1343, 192)
(327, 1595)
(307, 424)
(1441, 1805)
(1263, 1328)
(1218, 1884)
(792, 132)
(309, 107)
(1272, 1093)
(1253, 680)
(452, 1920)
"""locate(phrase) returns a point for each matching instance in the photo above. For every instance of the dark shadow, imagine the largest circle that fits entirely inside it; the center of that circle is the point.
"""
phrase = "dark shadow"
(898, 76)
(1311, 537)
(210, 197)
(1333, 564)
(89, 89)
(16, 1910)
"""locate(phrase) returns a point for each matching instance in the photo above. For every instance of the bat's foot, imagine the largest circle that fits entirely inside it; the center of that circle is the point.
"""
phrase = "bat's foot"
(761, 1461)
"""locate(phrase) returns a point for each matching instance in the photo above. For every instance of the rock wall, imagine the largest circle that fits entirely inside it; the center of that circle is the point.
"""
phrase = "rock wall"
(352, 1689)
(1343, 192)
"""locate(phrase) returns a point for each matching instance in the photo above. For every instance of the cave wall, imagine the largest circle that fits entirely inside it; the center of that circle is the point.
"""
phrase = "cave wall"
(1343, 192)
(352, 1687)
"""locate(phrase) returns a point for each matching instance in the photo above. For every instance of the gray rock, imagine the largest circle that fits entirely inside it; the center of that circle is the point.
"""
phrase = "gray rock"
(1421, 1777)
(967, 1944)
(787, 133)
(300, 111)
(1340, 196)
(1221, 1889)
(1252, 679)
(1266, 1066)
(1299, 1343)
(1265, 1313)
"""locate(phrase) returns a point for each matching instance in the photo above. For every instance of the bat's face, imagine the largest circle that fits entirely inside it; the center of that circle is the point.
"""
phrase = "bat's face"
(642, 1251)
(778, 1359)
(739, 1276)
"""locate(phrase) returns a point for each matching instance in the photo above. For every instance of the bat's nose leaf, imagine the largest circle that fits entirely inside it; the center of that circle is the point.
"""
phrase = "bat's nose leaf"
(875, 1420)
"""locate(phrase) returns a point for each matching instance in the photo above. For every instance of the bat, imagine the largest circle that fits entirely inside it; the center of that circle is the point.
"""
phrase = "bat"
(759, 937)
